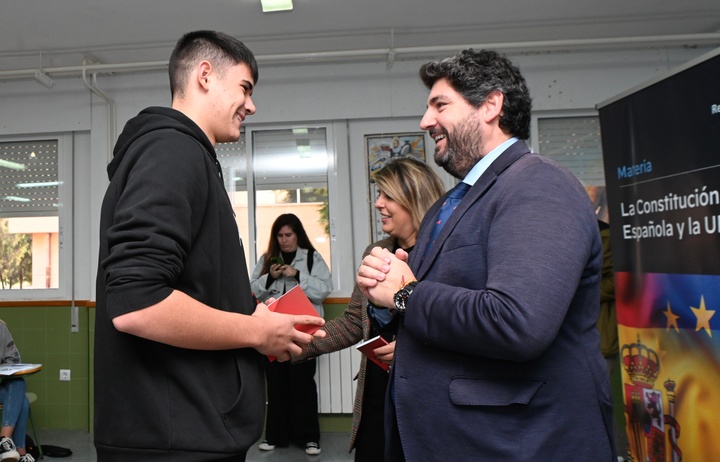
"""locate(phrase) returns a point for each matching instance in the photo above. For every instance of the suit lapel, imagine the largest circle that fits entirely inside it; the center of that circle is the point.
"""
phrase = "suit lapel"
(421, 262)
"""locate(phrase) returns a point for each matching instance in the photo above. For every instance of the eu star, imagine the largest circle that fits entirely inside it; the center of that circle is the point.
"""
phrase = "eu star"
(671, 318)
(703, 316)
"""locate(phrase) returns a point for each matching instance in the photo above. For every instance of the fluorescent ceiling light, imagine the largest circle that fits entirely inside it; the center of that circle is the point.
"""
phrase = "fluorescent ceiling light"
(43, 184)
(43, 78)
(304, 150)
(17, 199)
(11, 165)
(268, 6)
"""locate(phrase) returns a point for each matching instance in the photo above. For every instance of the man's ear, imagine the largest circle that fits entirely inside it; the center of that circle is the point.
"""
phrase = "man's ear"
(202, 74)
(493, 106)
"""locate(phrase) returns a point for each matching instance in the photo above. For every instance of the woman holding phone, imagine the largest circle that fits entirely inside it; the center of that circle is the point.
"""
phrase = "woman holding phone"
(291, 260)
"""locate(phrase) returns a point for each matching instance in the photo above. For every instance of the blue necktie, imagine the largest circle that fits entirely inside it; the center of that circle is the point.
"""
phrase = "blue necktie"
(456, 195)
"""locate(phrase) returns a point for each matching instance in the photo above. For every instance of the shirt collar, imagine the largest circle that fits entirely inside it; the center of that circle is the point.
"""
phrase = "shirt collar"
(479, 168)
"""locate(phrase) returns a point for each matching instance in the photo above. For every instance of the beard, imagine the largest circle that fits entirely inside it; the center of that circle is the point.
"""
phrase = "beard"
(463, 149)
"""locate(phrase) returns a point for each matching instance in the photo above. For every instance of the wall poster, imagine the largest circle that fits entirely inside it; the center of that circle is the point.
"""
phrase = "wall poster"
(380, 149)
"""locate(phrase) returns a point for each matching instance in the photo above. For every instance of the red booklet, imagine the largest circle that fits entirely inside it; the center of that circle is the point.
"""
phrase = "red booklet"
(367, 348)
(294, 301)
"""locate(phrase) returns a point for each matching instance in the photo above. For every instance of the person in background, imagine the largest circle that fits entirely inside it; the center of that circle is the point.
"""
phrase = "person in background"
(608, 326)
(179, 339)
(291, 260)
(15, 405)
(407, 188)
(497, 354)
(607, 321)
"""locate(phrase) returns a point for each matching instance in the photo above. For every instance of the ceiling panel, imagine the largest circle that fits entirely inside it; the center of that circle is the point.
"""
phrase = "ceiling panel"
(49, 34)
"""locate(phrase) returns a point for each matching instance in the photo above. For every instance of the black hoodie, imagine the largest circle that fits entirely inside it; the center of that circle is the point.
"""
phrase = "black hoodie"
(167, 224)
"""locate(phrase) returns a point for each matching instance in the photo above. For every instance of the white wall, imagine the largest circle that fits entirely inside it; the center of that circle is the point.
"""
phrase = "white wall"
(369, 97)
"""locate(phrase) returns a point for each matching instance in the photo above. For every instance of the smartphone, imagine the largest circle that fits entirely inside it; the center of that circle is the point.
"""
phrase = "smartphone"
(277, 260)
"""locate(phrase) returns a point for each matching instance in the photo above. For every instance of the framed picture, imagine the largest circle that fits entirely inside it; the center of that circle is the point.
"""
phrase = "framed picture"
(381, 149)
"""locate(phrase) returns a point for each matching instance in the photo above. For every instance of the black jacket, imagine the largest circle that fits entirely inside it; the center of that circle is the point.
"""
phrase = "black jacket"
(167, 223)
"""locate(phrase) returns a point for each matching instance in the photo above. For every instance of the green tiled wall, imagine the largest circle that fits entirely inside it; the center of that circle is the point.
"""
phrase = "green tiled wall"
(43, 335)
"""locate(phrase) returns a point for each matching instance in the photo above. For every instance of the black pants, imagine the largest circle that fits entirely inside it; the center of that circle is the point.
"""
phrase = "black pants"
(292, 415)
(370, 439)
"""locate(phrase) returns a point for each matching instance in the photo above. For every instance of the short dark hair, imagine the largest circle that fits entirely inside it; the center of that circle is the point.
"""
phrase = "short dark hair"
(220, 49)
(475, 74)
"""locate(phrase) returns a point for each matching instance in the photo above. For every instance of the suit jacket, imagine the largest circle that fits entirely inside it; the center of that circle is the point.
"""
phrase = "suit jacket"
(498, 357)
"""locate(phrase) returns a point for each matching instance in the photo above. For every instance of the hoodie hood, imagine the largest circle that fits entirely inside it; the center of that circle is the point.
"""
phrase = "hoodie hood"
(149, 120)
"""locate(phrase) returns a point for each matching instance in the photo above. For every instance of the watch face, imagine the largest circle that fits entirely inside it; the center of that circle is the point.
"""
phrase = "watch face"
(401, 297)
(399, 301)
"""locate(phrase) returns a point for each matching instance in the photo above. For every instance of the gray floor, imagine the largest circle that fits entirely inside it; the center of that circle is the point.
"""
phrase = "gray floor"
(334, 448)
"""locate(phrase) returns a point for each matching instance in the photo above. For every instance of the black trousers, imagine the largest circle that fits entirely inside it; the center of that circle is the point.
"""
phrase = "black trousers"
(292, 414)
(370, 439)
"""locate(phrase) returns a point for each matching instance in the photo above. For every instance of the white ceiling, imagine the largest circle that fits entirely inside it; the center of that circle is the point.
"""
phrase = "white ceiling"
(54, 34)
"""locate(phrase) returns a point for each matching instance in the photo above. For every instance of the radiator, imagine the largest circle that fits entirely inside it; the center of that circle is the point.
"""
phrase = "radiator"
(335, 381)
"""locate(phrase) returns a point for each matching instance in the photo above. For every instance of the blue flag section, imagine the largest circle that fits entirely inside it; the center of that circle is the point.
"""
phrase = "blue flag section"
(660, 147)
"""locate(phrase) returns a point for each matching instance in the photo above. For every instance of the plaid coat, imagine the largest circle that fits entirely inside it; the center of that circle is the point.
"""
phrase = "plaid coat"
(345, 331)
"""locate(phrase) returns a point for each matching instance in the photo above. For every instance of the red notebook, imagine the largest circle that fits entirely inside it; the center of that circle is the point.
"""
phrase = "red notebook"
(294, 301)
(367, 348)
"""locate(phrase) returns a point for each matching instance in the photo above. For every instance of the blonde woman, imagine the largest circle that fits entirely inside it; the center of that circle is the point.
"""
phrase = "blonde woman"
(407, 189)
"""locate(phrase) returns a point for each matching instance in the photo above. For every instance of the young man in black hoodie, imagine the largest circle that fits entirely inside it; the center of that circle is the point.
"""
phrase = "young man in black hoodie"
(178, 336)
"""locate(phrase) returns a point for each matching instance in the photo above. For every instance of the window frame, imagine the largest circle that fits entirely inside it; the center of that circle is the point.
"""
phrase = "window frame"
(534, 140)
(595, 189)
(64, 291)
(339, 206)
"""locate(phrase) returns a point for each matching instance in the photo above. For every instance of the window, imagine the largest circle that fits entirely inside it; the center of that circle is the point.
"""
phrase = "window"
(287, 170)
(575, 143)
(233, 159)
(33, 211)
(290, 173)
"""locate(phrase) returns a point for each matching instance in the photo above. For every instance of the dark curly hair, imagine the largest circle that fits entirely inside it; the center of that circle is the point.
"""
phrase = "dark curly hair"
(474, 74)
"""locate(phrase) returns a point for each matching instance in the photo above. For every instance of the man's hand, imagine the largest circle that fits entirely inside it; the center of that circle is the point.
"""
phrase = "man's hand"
(381, 274)
(280, 338)
(372, 269)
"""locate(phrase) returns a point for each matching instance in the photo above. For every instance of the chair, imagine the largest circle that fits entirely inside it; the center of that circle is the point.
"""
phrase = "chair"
(31, 397)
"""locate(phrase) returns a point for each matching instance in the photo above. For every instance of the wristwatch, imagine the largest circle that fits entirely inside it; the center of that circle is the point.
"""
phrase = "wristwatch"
(401, 297)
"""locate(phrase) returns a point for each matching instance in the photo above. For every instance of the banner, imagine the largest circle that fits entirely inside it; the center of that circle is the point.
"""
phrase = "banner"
(661, 150)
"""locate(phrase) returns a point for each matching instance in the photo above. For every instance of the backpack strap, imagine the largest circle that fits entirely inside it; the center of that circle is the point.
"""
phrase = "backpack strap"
(310, 256)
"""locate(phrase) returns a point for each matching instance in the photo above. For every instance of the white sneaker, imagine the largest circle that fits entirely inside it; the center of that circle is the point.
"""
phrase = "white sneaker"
(27, 458)
(265, 446)
(8, 451)
(312, 449)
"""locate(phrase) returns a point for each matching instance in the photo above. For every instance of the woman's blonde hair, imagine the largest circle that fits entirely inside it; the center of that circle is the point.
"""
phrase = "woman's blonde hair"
(410, 183)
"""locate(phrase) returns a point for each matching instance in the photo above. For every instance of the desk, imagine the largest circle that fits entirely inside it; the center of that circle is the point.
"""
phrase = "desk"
(10, 370)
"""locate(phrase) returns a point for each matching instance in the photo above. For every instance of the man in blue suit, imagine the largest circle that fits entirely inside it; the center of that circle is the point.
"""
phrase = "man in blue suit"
(497, 355)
